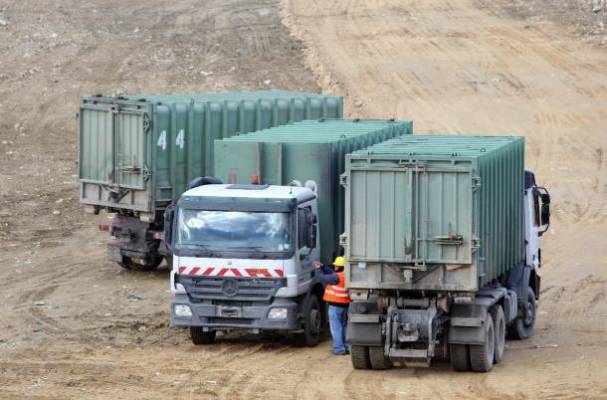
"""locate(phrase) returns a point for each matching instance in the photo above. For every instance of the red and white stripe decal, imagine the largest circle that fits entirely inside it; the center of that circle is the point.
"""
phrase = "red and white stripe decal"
(237, 272)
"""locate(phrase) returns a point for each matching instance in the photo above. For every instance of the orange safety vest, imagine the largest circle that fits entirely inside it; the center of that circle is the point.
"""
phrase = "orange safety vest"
(337, 293)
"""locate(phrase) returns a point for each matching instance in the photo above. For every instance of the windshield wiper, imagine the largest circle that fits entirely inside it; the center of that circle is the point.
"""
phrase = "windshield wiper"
(200, 250)
(256, 251)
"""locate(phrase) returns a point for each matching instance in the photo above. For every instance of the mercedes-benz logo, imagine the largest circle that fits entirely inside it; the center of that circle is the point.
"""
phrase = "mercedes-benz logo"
(229, 287)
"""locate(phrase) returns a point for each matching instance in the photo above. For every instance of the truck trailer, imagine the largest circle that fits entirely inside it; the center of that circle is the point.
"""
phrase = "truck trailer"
(442, 247)
(138, 153)
(244, 251)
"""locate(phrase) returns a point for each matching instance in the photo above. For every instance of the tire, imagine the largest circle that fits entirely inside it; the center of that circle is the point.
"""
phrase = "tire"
(360, 357)
(522, 327)
(459, 357)
(149, 265)
(312, 321)
(499, 324)
(481, 356)
(377, 359)
(199, 337)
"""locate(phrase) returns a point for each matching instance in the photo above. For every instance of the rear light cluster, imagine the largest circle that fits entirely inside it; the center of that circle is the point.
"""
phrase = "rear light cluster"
(106, 228)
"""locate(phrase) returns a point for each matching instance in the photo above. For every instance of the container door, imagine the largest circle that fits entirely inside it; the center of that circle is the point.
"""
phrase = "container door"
(410, 213)
(130, 130)
(442, 207)
(96, 153)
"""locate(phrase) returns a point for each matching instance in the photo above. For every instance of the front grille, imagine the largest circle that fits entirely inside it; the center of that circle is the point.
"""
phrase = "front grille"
(200, 288)
(230, 321)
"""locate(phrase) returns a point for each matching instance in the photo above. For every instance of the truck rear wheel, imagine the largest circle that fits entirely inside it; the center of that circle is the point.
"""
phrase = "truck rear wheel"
(522, 327)
(460, 357)
(482, 355)
(148, 265)
(312, 321)
(499, 324)
(200, 337)
(378, 359)
(360, 357)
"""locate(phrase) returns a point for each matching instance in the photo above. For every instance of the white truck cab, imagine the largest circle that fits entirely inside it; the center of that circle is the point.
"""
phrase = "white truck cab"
(243, 259)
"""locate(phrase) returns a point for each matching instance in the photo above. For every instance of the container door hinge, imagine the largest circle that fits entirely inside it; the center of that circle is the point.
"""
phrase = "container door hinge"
(343, 180)
(343, 240)
(146, 173)
(147, 123)
(475, 244)
(476, 182)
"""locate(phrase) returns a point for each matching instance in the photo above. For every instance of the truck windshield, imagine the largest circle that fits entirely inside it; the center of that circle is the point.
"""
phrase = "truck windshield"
(235, 231)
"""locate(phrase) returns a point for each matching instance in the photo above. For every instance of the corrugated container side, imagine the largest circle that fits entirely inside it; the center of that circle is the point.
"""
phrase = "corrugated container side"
(305, 151)
(138, 153)
(501, 210)
(449, 206)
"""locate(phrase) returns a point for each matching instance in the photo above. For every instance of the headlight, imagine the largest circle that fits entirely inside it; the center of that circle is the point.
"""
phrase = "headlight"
(278, 313)
(182, 310)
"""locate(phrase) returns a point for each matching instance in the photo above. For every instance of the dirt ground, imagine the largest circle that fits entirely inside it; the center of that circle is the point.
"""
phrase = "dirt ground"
(73, 325)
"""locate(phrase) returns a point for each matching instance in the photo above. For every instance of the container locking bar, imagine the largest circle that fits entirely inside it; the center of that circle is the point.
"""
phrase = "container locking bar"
(449, 240)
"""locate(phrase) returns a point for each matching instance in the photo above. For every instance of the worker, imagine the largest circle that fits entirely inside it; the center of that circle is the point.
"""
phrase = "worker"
(336, 296)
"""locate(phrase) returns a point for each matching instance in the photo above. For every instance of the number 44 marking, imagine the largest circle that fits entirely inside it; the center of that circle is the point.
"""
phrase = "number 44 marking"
(179, 140)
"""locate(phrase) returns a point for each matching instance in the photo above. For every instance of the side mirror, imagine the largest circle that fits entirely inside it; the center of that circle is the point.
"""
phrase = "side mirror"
(545, 214)
(169, 216)
(545, 209)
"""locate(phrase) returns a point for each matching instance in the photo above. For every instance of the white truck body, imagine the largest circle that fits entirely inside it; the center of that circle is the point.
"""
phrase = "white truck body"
(238, 252)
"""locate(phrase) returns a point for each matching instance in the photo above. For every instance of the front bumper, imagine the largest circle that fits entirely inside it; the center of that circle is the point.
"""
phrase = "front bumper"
(225, 316)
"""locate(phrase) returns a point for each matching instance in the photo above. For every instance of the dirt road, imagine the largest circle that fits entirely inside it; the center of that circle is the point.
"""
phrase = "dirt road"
(73, 325)
(464, 67)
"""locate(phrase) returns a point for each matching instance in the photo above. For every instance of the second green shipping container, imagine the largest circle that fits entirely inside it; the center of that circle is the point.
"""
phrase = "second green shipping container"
(310, 152)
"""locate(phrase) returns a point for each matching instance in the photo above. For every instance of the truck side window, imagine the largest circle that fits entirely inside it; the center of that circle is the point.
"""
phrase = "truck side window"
(536, 208)
(303, 226)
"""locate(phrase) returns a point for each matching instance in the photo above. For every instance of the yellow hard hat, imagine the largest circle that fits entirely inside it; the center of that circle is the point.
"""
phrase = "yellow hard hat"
(339, 262)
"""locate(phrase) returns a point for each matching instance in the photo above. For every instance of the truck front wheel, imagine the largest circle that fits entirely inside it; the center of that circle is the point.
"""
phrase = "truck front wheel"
(312, 321)
(522, 327)
(200, 337)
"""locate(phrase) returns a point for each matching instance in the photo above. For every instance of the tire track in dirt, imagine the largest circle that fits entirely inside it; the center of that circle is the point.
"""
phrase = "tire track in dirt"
(454, 67)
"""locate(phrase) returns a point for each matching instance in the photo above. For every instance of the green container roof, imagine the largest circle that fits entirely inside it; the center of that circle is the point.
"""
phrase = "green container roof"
(319, 131)
(217, 96)
(439, 145)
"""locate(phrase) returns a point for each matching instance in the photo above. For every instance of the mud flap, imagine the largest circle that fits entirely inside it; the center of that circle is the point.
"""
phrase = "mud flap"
(466, 324)
(364, 330)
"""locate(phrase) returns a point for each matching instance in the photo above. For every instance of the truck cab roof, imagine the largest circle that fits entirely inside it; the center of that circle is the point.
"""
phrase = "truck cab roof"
(298, 193)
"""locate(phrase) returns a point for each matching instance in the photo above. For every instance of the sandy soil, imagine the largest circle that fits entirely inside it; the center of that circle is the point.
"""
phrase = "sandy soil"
(73, 325)
(459, 67)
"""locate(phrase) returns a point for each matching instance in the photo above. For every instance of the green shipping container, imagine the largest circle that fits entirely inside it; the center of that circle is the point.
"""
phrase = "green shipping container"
(311, 152)
(137, 153)
(446, 211)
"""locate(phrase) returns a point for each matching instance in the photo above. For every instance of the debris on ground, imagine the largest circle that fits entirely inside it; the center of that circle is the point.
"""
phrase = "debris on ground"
(135, 296)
